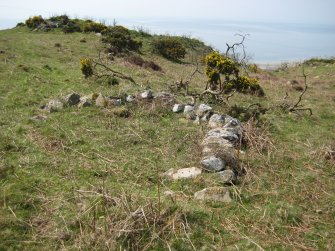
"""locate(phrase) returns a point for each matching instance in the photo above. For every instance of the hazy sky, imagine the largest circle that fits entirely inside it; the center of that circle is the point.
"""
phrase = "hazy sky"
(298, 11)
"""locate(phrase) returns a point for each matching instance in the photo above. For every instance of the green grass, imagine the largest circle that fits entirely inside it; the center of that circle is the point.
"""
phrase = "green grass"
(73, 181)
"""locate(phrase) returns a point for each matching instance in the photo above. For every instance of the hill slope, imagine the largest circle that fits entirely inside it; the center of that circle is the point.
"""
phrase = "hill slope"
(90, 179)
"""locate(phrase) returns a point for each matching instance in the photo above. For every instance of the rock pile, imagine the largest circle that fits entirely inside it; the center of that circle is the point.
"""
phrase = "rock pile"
(218, 148)
(100, 100)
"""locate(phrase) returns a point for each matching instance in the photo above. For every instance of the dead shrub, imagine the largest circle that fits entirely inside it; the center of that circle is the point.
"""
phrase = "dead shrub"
(326, 152)
(257, 138)
(126, 222)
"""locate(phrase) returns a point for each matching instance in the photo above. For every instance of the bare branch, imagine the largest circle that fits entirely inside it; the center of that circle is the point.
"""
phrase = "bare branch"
(296, 105)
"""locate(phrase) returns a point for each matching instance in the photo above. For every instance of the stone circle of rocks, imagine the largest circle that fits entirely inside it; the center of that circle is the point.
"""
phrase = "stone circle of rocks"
(219, 147)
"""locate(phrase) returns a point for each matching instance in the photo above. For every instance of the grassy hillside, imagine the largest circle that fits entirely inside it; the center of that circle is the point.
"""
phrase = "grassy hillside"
(89, 179)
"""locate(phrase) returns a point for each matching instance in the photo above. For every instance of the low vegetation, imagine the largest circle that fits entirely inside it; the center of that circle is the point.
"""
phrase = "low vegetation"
(90, 178)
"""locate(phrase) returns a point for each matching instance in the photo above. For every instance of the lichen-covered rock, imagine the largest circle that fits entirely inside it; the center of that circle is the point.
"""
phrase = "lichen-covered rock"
(101, 101)
(203, 109)
(220, 142)
(72, 99)
(188, 109)
(226, 153)
(212, 163)
(55, 105)
(227, 177)
(216, 120)
(178, 108)
(225, 133)
(184, 173)
(216, 194)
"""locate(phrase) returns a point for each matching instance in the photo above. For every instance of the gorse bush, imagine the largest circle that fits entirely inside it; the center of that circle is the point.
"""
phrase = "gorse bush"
(245, 84)
(34, 22)
(119, 40)
(169, 47)
(86, 67)
(90, 26)
(217, 65)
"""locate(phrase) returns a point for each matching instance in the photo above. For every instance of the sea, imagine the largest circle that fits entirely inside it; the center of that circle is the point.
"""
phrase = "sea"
(266, 43)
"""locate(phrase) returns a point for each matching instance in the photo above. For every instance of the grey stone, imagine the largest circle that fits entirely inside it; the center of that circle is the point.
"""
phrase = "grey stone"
(226, 153)
(178, 108)
(206, 116)
(203, 109)
(220, 142)
(216, 120)
(55, 105)
(216, 194)
(184, 173)
(130, 98)
(231, 122)
(227, 177)
(101, 101)
(72, 99)
(146, 94)
(224, 133)
(212, 163)
(188, 109)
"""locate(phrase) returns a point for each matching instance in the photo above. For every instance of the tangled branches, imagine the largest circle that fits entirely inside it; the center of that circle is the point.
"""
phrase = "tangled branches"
(297, 107)
(100, 69)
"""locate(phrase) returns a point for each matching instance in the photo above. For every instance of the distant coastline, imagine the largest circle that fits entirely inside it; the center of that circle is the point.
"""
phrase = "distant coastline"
(268, 44)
